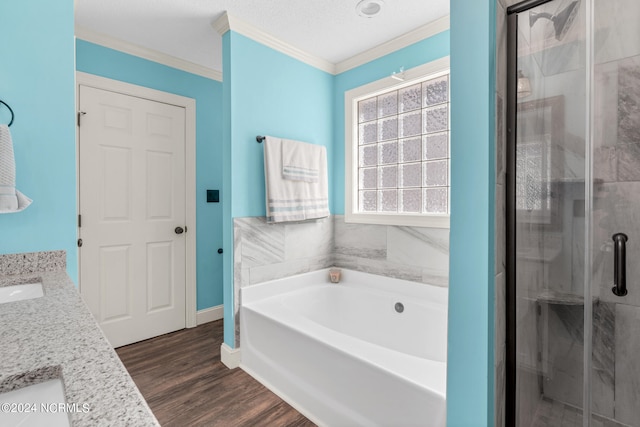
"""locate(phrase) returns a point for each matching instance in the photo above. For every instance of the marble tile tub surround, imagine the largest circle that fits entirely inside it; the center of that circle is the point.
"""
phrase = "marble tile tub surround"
(56, 337)
(271, 251)
(417, 254)
(264, 252)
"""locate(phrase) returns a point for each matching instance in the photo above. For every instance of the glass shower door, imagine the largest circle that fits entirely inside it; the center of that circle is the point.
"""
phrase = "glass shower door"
(615, 222)
(550, 222)
(577, 214)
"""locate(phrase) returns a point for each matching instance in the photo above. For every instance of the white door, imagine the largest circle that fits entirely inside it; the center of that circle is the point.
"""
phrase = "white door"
(132, 205)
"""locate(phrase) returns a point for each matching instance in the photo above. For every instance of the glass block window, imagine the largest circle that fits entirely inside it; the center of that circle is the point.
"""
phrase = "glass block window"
(403, 149)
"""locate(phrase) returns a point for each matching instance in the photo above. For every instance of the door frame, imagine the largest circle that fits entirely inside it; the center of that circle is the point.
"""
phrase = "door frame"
(189, 104)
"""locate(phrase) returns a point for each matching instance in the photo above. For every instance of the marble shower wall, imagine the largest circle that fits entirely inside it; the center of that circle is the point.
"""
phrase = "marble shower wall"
(562, 352)
(617, 209)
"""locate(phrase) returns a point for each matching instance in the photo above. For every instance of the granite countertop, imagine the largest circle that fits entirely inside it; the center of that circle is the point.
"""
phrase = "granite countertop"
(56, 336)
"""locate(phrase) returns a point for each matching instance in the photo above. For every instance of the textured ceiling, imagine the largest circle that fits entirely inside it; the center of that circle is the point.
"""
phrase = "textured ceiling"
(328, 29)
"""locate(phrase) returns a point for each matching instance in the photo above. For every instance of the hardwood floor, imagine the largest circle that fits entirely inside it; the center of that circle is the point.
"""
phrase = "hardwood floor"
(181, 377)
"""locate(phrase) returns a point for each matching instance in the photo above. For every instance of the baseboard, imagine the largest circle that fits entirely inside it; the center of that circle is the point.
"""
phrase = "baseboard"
(230, 357)
(210, 314)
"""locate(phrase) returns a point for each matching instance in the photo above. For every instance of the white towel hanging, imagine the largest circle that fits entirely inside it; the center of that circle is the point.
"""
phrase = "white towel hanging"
(293, 200)
(11, 200)
(301, 161)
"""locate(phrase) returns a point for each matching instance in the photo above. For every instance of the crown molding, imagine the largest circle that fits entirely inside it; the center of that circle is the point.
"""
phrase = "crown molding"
(228, 22)
(146, 53)
(221, 25)
(414, 36)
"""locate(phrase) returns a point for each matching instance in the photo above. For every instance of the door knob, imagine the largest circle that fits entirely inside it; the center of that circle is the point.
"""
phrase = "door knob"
(179, 230)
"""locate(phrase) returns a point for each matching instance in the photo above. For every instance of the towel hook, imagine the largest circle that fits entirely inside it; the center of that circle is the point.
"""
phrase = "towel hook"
(12, 115)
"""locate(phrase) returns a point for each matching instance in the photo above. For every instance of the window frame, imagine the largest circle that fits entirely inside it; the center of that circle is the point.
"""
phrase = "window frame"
(429, 70)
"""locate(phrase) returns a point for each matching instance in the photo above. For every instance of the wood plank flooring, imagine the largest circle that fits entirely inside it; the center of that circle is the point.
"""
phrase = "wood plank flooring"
(185, 384)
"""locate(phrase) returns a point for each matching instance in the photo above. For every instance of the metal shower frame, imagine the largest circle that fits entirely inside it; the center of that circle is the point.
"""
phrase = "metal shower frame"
(510, 181)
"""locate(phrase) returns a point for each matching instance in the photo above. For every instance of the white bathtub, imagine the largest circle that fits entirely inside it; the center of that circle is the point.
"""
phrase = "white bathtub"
(342, 355)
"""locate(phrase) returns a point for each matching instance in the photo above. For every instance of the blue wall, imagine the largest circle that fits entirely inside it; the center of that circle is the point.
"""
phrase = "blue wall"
(227, 197)
(470, 370)
(419, 53)
(37, 81)
(273, 94)
(101, 61)
(266, 93)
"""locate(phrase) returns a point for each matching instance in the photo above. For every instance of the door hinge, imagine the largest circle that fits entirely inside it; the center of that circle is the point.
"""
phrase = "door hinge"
(80, 114)
(79, 220)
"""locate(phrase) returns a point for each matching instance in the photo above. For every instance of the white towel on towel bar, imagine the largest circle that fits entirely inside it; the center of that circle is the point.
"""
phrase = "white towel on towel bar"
(289, 200)
(301, 161)
(11, 200)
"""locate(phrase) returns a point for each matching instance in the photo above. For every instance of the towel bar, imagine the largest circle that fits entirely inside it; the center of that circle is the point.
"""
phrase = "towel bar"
(12, 114)
(260, 139)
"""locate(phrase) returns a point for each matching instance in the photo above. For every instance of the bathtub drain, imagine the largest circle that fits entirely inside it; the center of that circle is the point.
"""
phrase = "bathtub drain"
(399, 307)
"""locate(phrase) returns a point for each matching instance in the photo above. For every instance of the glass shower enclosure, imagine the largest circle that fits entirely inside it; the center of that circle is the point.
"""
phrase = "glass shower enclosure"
(573, 213)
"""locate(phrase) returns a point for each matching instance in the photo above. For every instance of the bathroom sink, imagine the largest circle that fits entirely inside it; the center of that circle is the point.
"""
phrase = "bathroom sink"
(20, 292)
(41, 404)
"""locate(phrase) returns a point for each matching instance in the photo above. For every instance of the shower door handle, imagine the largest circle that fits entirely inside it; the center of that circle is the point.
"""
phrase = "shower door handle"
(620, 264)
